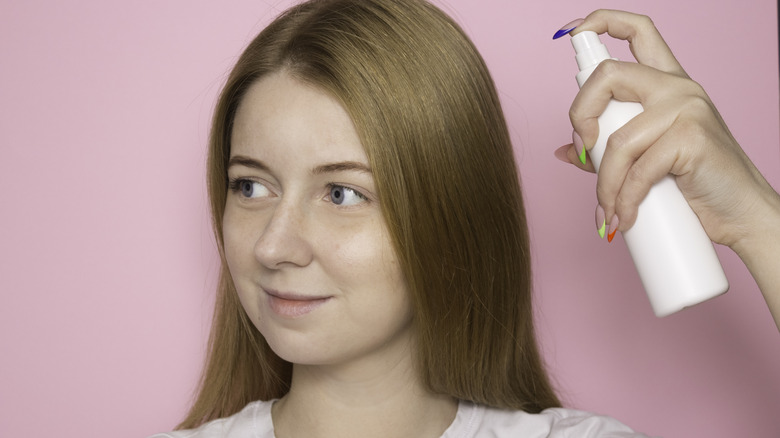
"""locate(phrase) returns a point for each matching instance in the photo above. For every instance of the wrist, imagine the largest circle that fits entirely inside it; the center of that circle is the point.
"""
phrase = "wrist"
(760, 241)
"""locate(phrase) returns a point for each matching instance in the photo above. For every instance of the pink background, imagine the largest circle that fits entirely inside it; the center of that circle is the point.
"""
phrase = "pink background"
(107, 264)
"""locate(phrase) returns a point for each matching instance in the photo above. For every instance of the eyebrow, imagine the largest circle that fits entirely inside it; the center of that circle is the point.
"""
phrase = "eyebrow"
(240, 160)
(342, 166)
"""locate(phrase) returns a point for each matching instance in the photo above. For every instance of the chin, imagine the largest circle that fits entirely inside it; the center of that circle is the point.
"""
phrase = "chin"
(300, 348)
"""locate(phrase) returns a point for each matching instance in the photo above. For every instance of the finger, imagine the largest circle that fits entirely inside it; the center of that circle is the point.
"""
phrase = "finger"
(650, 168)
(633, 161)
(646, 43)
(568, 154)
(624, 81)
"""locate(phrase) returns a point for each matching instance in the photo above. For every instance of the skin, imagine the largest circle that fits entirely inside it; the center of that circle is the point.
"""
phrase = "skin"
(353, 370)
(304, 221)
(680, 132)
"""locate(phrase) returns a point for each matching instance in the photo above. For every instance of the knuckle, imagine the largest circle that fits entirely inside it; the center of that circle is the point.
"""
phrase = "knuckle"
(695, 89)
(574, 113)
(698, 104)
(599, 14)
(636, 175)
(696, 113)
(605, 196)
(607, 69)
(695, 98)
(645, 21)
(618, 140)
(690, 128)
(581, 119)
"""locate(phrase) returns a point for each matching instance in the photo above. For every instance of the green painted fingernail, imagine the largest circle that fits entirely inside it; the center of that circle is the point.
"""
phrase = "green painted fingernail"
(578, 145)
(601, 222)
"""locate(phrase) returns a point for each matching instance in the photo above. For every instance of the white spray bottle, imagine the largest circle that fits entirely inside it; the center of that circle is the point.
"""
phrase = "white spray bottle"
(674, 256)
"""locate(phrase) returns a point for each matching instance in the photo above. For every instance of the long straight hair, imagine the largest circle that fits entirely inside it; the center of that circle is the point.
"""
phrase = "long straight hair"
(428, 115)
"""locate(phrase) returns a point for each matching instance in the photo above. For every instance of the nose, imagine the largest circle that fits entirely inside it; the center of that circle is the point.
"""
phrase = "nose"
(283, 241)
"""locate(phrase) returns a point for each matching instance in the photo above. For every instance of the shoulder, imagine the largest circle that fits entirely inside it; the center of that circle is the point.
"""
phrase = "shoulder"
(476, 420)
(253, 421)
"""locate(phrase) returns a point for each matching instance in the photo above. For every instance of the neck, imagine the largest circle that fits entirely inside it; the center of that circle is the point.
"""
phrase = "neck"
(370, 399)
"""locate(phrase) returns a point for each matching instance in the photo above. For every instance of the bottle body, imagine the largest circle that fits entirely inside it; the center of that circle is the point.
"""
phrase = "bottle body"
(673, 255)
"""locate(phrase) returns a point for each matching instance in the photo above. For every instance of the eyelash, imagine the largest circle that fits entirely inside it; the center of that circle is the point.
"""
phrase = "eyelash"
(359, 194)
(234, 185)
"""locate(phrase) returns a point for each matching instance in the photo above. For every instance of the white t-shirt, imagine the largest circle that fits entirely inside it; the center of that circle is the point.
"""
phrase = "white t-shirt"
(471, 421)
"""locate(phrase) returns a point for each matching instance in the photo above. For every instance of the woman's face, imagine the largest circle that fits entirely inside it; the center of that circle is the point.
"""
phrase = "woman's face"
(305, 240)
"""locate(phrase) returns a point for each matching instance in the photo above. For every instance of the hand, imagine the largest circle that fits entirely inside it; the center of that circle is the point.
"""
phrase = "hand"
(680, 132)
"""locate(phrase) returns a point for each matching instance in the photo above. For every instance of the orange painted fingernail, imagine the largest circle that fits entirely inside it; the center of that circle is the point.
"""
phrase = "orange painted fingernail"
(613, 226)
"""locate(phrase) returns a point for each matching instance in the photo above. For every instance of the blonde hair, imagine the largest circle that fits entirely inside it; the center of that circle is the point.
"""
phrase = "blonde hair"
(427, 113)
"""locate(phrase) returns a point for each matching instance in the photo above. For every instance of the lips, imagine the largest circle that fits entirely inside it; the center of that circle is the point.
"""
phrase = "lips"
(290, 305)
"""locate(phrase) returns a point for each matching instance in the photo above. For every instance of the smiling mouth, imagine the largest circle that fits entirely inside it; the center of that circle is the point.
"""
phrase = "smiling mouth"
(293, 306)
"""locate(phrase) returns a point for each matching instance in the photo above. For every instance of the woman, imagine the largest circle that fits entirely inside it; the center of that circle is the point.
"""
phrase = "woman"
(376, 272)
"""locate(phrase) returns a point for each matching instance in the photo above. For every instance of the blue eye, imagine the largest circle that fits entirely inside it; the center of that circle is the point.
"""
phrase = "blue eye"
(344, 196)
(248, 188)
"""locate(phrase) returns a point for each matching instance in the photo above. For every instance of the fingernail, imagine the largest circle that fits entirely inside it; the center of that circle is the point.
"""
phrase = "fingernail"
(568, 28)
(601, 223)
(579, 146)
(613, 226)
(561, 153)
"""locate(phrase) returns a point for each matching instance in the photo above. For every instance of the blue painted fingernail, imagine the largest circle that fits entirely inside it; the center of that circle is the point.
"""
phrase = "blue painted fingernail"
(568, 28)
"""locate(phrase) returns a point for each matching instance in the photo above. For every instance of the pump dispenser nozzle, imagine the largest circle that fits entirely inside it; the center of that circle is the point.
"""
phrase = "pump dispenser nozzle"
(589, 52)
(589, 49)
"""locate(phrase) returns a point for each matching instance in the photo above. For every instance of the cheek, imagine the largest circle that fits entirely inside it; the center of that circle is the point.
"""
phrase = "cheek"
(238, 246)
(238, 238)
(232, 241)
(367, 263)
(361, 254)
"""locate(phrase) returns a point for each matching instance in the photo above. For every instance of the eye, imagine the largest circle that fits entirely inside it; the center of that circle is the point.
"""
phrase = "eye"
(345, 196)
(248, 188)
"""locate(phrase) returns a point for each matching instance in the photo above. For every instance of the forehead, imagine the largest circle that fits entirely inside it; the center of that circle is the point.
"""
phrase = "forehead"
(281, 116)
